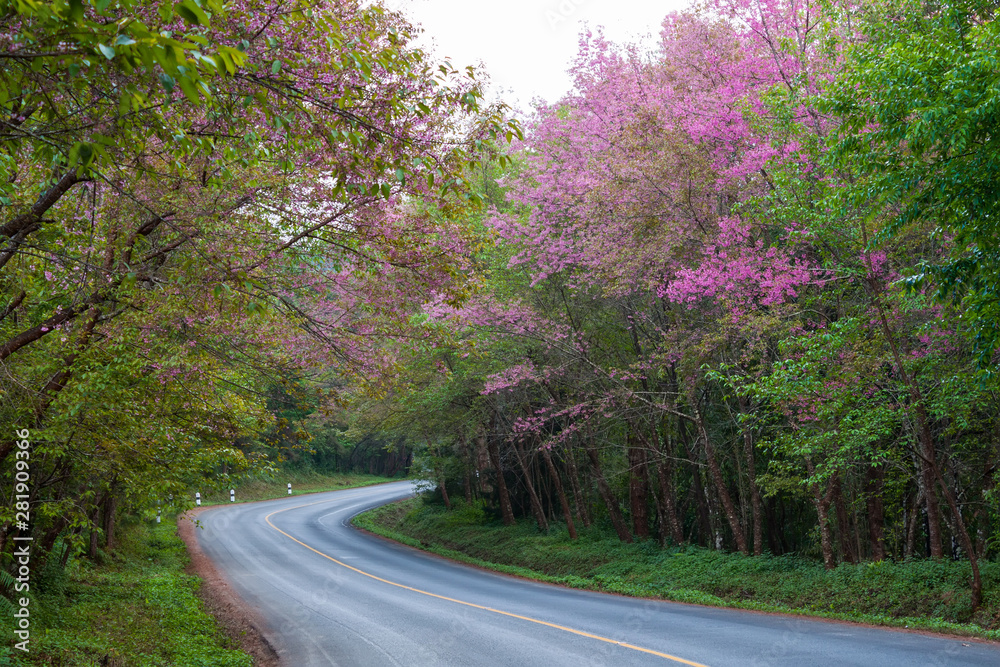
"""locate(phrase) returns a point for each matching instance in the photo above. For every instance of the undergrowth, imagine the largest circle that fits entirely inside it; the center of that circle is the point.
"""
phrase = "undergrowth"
(136, 608)
(923, 594)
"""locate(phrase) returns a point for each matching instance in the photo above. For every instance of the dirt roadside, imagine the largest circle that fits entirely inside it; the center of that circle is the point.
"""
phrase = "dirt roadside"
(239, 621)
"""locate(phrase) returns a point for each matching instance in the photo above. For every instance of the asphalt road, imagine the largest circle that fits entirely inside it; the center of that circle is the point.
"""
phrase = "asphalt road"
(334, 596)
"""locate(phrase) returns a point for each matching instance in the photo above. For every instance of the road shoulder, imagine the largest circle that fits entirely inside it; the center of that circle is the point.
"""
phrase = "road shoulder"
(238, 619)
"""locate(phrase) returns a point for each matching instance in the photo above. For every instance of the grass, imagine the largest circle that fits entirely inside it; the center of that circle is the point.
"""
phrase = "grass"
(919, 594)
(136, 608)
(302, 483)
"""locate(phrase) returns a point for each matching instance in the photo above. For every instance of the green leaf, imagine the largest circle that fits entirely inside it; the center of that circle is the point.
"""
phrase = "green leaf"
(76, 10)
(192, 13)
(189, 89)
(81, 154)
(108, 52)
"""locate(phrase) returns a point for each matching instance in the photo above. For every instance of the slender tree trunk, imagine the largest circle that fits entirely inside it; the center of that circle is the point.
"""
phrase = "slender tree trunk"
(94, 544)
(697, 488)
(843, 521)
(874, 484)
(563, 502)
(667, 500)
(579, 499)
(95, 520)
(755, 503)
(536, 504)
(963, 535)
(638, 488)
(732, 515)
(928, 470)
(822, 504)
(466, 467)
(442, 484)
(981, 516)
(110, 516)
(909, 547)
(506, 510)
(614, 512)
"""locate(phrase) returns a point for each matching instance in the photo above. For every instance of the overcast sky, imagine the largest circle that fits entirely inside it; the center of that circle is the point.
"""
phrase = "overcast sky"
(527, 45)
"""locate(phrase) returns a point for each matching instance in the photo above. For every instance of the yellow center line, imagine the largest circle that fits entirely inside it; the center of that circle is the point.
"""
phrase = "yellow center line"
(470, 604)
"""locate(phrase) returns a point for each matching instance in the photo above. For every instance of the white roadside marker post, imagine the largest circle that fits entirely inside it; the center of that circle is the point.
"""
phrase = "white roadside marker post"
(289, 488)
(157, 511)
(197, 498)
(232, 495)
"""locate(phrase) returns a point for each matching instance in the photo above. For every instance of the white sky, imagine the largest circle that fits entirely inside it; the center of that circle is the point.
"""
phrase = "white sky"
(527, 45)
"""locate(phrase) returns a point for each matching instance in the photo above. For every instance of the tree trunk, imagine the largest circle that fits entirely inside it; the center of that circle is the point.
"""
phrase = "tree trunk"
(928, 471)
(506, 510)
(963, 534)
(909, 547)
(638, 489)
(822, 504)
(579, 499)
(732, 515)
(609, 498)
(843, 521)
(697, 488)
(110, 512)
(536, 505)
(563, 502)
(874, 483)
(755, 503)
(667, 501)
(442, 484)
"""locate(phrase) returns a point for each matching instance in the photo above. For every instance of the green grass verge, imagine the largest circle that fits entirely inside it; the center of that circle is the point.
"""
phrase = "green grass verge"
(136, 608)
(918, 594)
(302, 483)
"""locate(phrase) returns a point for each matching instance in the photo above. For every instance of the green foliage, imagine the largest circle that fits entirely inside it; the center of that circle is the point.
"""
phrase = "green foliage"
(916, 593)
(63, 48)
(919, 105)
(137, 609)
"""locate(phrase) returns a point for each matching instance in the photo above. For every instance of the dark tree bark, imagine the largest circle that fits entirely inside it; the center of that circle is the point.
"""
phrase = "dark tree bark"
(536, 504)
(579, 499)
(843, 521)
(563, 502)
(442, 484)
(614, 512)
(110, 519)
(755, 503)
(466, 466)
(822, 504)
(638, 488)
(874, 484)
(966, 541)
(667, 499)
(506, 509)
(728, 506)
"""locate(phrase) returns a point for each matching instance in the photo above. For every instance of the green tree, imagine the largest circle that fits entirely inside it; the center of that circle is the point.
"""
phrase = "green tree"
(919, 105)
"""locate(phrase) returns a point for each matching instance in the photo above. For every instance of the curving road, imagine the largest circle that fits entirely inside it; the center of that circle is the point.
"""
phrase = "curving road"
(335, 596)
